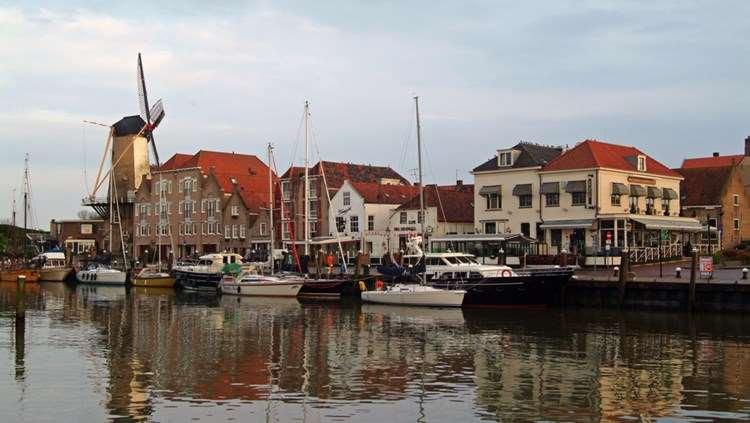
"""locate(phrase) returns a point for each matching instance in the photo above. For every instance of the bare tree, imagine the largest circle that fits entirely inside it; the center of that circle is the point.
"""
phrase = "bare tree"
(87, 214)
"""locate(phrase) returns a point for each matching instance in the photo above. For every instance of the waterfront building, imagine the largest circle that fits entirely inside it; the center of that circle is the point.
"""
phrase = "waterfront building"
(591, 200)
(323, 175)
(361, 213)
(79, 236)
(714, 191)
(211, 202)
(449, 210)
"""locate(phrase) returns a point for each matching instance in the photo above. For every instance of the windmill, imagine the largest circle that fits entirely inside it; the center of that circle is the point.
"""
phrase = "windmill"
(153, 115)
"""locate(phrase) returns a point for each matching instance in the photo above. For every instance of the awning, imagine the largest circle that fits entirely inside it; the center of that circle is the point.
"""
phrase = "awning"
(490, 189)
(550, 188)
(568, 224)
(637, 191)
(669, 194)
(653, 192)
(575, 186)
(685, 224)
(522, 189)
(619, 189)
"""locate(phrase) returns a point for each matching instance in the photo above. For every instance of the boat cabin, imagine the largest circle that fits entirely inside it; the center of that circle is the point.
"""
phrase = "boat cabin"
(457, 266)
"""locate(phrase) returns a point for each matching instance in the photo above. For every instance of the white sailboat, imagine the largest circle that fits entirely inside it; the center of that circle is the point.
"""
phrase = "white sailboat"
(417, 294)
(254, 284)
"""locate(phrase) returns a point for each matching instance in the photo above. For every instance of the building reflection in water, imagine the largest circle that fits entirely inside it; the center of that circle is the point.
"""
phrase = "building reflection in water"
(167, 354)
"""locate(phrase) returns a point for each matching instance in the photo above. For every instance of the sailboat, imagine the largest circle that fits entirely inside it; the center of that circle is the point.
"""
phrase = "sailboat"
(418, 294)
(250, 283)
(11, 274)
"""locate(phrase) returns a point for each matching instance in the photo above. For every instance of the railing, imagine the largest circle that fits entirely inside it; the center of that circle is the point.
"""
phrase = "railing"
(650, 254)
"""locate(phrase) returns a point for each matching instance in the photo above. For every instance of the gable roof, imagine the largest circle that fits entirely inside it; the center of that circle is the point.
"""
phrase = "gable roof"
(336, 173)
(454, 203)
(703, 186)
(698, 162)
(531, 155)
(594, 154)
(374, 193)
(176, 161)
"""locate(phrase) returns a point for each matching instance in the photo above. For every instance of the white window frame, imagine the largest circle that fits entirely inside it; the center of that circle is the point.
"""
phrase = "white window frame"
(736, 224)
(641, 163)
(235, 210)
(736, 200)
(262, 228)
(505, 158)
(346, 198)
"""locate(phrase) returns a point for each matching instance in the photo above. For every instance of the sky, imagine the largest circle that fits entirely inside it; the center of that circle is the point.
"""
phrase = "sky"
(669, 77)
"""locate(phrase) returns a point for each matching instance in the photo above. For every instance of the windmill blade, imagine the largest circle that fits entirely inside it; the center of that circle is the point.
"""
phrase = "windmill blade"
(156, 114)
(146, 111)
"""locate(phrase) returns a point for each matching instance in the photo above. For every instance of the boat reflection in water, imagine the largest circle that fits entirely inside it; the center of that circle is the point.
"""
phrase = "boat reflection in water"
(96, 353)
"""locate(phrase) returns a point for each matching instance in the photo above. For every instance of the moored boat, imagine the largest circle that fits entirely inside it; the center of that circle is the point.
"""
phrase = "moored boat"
(153, 278)
(261, 285)
(326, 288)
(205, 274)
(11, 275)
(53, 266)
(101, 274)
(415, 295)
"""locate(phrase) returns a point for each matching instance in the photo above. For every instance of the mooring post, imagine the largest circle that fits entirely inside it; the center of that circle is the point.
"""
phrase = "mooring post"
(744, 273)
(623, 275)
(21, 297)
(693, 271)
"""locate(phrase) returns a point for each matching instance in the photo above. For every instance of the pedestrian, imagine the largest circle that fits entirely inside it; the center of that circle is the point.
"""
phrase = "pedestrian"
(329, 263)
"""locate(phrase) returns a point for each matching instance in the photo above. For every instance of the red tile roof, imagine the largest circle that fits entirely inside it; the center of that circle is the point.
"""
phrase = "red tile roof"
(698, 162)
(248, 172)
(703, 186)
(454, 203)
(593, 154)
(336, 173)
(375, 193)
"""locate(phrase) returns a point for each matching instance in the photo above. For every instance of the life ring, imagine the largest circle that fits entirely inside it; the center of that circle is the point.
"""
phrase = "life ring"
(379, 285)
(506, 273)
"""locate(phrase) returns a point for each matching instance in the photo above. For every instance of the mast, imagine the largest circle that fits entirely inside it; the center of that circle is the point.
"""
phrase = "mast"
(421, 185)
(13, 207)
(270, 208)
(25, 193)
(307, 181)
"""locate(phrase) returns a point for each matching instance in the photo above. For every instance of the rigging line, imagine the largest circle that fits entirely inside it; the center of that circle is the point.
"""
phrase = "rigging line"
(406, 142)
(83, 147)
(297, 141)
(434, 178)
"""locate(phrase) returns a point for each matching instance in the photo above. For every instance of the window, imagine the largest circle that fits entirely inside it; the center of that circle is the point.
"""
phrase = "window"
(419, 216)
(524, 201)
(371, 223)
(313, 209)
(313, 191)
(712, 222)
(615, 199)
(234, 231)
(504, 158)
(552, 199)
(227, 232)
(262, 229)
(490, 227)
(633, 203)
(313, 229)
(526, 229)
(555, 237)
(211, 206)
(539, 232)
(736, 224)
(650, 205)
(235, 211)
(641, 163)
(589, 192)
(493, 202)
(665, 206)
(354, 223)
(188, 207)
(285, 231)
(578, 198)
(286, 191)
(86, 228)
(347, 198)
(402, 218)
(242, 231)
(340, 224)
(736, 200)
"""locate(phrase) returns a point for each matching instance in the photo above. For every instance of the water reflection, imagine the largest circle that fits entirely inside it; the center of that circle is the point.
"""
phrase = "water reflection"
(96, 353)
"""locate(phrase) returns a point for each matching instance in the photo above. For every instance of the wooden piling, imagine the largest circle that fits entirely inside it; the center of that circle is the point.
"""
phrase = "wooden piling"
(21, 297)
(623, 276)
(693, 271)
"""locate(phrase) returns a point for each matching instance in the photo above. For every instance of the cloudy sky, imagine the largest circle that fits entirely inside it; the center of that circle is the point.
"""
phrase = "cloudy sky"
(670, 77)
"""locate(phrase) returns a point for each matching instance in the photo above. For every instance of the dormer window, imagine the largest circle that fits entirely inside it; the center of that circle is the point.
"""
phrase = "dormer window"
(504, 158)
(641, 163)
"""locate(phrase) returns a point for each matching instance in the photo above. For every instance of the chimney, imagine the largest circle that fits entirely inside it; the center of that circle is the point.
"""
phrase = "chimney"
(747, 146)
(716, 154)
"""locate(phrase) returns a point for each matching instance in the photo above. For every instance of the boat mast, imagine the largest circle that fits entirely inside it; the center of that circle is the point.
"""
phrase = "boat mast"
(421, 185)
(25, 193)
(307, 181)
(270, 208)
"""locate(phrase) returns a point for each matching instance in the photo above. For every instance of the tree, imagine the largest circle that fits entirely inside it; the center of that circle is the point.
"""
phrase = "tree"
(87, 214)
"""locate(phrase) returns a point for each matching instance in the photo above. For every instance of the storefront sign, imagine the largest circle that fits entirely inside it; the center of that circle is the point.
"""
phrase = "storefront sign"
(706, 265)
(639, 180)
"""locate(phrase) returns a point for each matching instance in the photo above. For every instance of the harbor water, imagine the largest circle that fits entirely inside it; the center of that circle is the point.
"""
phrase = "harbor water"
(91, 353)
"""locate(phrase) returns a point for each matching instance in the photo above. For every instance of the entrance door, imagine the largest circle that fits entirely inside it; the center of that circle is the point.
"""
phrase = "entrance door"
(578, 241)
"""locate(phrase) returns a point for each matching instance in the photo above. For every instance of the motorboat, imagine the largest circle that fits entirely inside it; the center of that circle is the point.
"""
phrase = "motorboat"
(206, 273)
(53, 266)
(102, 274)
(152, 277)
(256, 285)
(415, 295)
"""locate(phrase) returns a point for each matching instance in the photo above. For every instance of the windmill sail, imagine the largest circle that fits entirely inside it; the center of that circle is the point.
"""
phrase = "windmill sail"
(146, 111)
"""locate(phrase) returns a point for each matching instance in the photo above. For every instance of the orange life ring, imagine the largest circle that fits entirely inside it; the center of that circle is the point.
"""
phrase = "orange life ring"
(379, 285)
(506, 273)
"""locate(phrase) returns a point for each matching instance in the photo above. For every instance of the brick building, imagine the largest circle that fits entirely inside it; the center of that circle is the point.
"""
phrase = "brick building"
(293, 195)
(211, 201)
(79, 236)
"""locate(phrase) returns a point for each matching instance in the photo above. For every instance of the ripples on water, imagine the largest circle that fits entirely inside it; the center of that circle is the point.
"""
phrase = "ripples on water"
(98, 353)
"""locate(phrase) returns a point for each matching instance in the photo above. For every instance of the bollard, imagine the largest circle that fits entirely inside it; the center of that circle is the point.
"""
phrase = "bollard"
(678, 272)
(21, 297)
(744, 273)
(693, 271)
(616, 271)
(623, 275)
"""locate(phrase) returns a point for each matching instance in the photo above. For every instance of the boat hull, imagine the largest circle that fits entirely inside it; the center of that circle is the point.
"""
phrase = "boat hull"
(32, 275)
(197, 281)
(424, 298)
(154, 282)
(540, 288)
(54, 275)
(102, 278)
(262, 289)
(326, 288)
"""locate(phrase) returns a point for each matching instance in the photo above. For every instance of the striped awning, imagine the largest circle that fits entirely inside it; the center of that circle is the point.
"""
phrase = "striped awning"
(490, 189)
(619, 189)
(653, 192)
(637, 191)
(522, 189)
(671, 224)
(550, 188)
(575, 186)
(669, 194)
